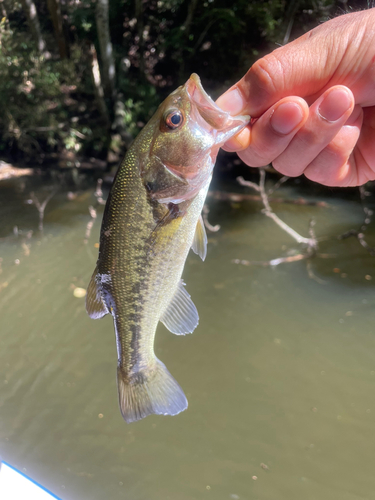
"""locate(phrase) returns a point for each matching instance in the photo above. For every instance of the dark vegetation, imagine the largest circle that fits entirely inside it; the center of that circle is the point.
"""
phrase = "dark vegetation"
(79, 78)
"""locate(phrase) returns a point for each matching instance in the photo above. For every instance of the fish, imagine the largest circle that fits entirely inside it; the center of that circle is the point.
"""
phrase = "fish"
(151, 220)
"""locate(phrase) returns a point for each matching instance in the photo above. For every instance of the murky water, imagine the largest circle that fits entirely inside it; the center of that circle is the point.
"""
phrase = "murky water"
(280, 373)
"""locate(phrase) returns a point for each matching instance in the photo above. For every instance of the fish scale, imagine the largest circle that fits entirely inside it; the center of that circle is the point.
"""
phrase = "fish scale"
(151, 220)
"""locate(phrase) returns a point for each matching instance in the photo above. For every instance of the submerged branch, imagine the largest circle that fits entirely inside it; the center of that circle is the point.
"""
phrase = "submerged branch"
(310, 244)
(360, 233)
(99, 193)
(90, 223)
(272, 262)
(41, 206)
(209, 226)
(239, 197)
(279, 183)
(92, 209)
(285, 260)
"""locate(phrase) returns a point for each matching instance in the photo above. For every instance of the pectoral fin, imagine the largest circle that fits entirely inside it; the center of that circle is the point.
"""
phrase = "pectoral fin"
(181, 316)
(95, 306)
(199, 245)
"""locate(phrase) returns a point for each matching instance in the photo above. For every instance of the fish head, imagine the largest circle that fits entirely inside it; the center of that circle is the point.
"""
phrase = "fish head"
(189, 128)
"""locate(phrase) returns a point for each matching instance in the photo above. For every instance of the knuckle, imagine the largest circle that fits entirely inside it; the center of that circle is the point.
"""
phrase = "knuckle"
(263, 82)
(365, 170)
(253, 158)
(335, 154)
(264, 72)
(286, 168)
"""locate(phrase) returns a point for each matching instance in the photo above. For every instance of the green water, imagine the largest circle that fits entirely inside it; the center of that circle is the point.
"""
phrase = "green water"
(279, 372)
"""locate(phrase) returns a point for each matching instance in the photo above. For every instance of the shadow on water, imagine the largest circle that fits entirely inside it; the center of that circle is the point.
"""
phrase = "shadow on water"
(279, 374)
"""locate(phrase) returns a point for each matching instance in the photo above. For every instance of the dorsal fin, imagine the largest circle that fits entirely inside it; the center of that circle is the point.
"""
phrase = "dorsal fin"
(199, 245)
(181, 315)
(95, 306)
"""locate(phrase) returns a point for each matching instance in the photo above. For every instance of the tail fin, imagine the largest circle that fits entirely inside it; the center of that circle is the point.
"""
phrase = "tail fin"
(150, 391)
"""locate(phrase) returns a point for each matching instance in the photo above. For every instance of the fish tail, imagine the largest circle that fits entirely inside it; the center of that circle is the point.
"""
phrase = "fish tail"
(151, 391)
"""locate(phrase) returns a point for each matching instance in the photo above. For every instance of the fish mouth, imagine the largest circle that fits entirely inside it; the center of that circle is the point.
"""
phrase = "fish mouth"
(220, 120)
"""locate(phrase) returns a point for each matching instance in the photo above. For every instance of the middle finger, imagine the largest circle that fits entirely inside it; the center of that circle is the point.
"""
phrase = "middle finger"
(327, 115)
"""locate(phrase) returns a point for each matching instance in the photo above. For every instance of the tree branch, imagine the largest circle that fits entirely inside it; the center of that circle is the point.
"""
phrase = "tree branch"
(309, 242)
(360, 233)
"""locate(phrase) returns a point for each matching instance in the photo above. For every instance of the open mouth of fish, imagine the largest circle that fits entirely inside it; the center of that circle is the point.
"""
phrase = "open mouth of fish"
(211, 114)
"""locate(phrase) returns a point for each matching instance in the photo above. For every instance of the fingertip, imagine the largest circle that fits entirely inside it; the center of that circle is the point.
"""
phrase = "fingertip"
(238, 142)
(232, 101)
(334, 166)
(289, 114)
(267, 137)
(336, 103)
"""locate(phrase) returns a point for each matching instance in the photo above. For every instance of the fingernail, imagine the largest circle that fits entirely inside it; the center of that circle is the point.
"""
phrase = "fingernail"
(335, 104)
(232, 101)
(286, 117)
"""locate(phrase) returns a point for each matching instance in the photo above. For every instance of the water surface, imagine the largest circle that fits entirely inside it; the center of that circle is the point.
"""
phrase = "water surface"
(280, 373)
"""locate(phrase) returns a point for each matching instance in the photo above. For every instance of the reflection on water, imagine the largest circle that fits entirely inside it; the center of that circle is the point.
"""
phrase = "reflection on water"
(280, 373)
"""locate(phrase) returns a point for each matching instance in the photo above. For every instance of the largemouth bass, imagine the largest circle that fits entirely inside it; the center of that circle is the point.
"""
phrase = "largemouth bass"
(151, 220)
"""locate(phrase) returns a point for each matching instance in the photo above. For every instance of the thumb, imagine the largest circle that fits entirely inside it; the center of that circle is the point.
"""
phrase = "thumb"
(305, 67)
(277, 75)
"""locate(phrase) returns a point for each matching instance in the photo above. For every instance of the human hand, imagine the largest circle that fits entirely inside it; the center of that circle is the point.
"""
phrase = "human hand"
(312, 104)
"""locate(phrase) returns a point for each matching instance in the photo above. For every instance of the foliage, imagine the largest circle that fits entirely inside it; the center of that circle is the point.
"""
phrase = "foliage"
(36, 96)
(49, 105)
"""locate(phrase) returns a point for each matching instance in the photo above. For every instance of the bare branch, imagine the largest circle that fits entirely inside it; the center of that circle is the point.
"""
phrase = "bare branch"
(90, 224)
(310, 244)
(99, 193)
(248, 184)
(312, 275)
(360, 233)
(41, 206)
(239, 197)
(272, 262)
(205, 213)
(92, 209)
(279, 183)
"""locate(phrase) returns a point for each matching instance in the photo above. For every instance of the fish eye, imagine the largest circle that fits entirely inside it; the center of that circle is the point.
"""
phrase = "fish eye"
(174, 119)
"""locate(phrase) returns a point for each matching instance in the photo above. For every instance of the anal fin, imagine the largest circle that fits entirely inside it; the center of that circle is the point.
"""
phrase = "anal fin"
(199, 245)
(181, 315)
(95, 306)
